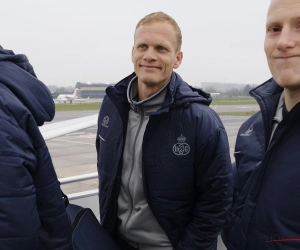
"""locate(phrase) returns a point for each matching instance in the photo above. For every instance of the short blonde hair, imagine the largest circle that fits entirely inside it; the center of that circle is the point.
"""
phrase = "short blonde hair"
(162, 17)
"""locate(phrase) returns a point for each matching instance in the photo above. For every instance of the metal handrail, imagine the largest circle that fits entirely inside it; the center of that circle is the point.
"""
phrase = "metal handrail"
(77, 178)
(83, 194)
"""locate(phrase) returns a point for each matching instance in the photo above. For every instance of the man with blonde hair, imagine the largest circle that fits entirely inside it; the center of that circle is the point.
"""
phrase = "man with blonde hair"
(163, 155)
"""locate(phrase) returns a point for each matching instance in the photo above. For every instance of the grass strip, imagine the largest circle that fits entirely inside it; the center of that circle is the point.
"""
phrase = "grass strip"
(217, 101)
(233, 101)
(249, 113)
(77, 106)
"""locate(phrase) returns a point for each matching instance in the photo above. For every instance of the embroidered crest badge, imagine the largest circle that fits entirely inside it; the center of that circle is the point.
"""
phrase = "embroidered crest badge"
(105, 121)
(181, 148)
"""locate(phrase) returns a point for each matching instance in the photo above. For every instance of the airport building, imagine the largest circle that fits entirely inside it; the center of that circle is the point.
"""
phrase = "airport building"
(91, 90)
(222, 87)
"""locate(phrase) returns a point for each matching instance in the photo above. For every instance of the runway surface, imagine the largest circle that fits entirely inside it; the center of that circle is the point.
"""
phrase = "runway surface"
(235, 108)
(75, 153)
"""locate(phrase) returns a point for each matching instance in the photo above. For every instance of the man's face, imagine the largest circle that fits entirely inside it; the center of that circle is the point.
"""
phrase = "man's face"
(155, 54)
(282, 42)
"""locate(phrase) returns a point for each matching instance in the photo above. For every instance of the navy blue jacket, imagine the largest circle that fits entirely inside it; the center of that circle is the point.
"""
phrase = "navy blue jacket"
(32, 213)
(186, 163)
(266, 212)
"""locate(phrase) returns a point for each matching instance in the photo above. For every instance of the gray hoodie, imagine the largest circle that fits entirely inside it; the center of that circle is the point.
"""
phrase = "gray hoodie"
(136, 222)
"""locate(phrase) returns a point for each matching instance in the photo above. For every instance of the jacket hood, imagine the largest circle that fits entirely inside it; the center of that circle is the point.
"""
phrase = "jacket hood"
(182, 93)
(267, 96)
(18, 76)
(266, 89)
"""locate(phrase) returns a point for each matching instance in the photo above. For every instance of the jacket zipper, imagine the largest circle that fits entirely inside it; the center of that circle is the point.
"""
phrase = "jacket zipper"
(131, 170)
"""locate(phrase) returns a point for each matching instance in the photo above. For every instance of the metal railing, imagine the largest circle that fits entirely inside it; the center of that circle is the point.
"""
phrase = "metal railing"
(77, 178)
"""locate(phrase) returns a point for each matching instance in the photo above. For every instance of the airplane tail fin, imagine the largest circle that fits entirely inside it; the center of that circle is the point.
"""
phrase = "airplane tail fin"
(75, 94)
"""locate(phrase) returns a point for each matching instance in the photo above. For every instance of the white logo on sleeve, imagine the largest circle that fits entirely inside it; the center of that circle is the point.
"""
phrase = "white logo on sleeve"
(248, 131)
(181, 148)
(105, 122)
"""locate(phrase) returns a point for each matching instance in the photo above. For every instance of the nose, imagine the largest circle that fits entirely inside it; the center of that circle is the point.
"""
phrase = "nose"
(286, 39)
(150, 54)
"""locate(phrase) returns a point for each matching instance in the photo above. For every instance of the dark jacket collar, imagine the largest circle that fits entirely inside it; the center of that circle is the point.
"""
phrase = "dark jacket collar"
(178, 93)
(267, 95)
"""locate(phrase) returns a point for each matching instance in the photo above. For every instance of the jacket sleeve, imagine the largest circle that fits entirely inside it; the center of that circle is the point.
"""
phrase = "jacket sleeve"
(55, 230)
(225, 230)
(214, 193)
(32, 212)
(19, 220)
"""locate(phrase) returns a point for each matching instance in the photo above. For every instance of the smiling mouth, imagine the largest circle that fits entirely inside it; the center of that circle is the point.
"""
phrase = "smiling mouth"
(286, 57)
(149, 67)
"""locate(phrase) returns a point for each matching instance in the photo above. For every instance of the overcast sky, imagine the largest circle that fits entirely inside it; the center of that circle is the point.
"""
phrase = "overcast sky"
(74, 40)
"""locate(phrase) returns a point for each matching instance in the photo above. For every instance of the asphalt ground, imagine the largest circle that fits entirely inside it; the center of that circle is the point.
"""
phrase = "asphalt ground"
(75, 153)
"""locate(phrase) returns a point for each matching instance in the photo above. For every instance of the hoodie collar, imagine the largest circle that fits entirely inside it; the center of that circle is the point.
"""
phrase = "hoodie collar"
(178, 93)
(149, 105)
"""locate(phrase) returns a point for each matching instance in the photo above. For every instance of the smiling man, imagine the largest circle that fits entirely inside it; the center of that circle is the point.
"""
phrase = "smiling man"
(266, 210)
(163, 156)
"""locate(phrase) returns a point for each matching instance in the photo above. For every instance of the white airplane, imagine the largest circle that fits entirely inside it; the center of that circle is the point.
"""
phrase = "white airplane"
(214, 94)
(64, 98)
(70, 98)
(80, 100)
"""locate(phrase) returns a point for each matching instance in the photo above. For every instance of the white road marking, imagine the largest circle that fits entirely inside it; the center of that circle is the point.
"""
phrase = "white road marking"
(74, 142)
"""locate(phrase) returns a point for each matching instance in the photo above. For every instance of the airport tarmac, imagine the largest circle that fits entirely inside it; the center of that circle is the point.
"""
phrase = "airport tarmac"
(235, 108)
(75, 153)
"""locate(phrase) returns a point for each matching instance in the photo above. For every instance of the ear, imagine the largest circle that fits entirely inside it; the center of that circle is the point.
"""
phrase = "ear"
(178, 60)
(132, 54)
